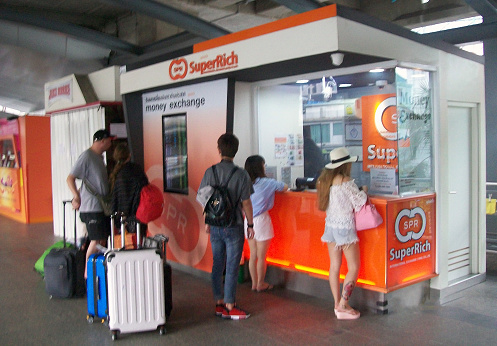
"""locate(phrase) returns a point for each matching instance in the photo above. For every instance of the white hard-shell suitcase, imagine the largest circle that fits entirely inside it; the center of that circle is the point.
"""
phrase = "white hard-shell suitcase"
(135, 280)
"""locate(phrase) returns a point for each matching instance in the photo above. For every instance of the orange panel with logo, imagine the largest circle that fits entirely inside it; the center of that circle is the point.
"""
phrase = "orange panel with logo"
(299, 225)
(411, 240)
(379, 131)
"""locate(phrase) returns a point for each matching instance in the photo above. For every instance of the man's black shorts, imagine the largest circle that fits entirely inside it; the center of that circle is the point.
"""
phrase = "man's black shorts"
(97, 225)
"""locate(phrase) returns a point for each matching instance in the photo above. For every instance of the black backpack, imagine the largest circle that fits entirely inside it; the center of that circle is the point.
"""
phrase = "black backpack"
(220, 210)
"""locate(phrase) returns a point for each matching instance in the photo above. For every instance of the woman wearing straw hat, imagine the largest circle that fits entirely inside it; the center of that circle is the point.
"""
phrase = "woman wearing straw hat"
(340, 197)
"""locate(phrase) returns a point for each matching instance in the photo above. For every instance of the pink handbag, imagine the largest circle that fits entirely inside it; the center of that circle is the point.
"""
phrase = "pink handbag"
(368, 217)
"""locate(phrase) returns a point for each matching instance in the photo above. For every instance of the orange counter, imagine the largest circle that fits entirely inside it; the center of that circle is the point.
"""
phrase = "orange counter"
(398, 253)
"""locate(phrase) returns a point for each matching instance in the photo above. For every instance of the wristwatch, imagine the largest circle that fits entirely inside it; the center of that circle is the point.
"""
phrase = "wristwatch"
(250, 225)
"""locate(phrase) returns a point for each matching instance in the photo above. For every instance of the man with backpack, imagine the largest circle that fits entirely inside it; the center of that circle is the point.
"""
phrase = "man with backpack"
(232, 188)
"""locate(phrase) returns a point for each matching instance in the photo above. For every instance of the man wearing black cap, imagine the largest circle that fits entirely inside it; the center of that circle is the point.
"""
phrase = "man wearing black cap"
(90, 168)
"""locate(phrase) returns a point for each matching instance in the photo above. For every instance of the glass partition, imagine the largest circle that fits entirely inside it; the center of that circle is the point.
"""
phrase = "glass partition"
(415, 130)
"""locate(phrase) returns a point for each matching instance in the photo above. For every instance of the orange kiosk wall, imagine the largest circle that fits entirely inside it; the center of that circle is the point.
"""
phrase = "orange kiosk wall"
(398, 253)
(30, 193)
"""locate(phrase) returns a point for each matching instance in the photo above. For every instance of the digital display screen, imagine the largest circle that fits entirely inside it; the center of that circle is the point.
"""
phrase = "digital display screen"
(175, 153)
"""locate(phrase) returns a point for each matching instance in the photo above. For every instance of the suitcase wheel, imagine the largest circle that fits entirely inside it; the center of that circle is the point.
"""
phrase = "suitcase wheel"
(89, 319)
(162, 330)
(114, 335)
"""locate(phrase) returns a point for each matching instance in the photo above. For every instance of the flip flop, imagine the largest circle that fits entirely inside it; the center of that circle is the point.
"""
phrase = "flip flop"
(268, 288)
(347, 314)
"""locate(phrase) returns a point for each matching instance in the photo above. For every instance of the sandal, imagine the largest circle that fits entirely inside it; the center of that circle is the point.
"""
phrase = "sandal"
(267, 288)
(349, 314)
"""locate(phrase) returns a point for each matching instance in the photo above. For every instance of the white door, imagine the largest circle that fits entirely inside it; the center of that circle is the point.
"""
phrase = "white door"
(460, 165)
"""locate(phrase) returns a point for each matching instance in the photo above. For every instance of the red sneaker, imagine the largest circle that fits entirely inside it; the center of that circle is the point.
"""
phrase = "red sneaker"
(235, 314)
(219, 309)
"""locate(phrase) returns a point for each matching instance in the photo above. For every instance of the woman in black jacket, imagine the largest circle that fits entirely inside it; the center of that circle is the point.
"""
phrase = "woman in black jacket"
(126, 182)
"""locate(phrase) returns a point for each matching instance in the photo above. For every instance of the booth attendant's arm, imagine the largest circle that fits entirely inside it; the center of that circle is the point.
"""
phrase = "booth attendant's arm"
(76, 200)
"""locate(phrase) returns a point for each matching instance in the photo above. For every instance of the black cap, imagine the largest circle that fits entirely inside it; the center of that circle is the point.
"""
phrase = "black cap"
(102, 134)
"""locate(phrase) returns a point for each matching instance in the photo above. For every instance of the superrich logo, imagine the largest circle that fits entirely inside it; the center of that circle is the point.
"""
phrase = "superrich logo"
(410, 224)
(379, 134)
(179, 68)
(385, 119)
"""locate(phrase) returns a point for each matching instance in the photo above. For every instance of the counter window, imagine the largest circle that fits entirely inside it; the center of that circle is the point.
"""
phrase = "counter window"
(175, 153)
(383, 116)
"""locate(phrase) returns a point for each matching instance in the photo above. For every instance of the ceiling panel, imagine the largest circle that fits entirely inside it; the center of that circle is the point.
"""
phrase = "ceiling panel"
(84, 36)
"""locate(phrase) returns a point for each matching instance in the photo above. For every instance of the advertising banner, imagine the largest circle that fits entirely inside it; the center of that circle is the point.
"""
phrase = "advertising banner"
(203, 110)
(10, 189)
(411, 241)
(379, 131)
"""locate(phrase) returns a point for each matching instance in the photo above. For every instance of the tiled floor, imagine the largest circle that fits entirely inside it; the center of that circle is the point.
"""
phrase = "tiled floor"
(280, 317)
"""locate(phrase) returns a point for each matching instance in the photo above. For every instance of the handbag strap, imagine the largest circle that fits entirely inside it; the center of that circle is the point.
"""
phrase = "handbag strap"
(90, 188)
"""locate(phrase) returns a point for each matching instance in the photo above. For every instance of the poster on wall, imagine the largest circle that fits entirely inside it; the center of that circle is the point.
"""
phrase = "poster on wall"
(292, 150)
(193, 114)
(280, 147)
(379, 131)
(10, 192)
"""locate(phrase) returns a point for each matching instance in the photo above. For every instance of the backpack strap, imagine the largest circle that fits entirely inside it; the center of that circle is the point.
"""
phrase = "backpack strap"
(229, 176)
(215, 174)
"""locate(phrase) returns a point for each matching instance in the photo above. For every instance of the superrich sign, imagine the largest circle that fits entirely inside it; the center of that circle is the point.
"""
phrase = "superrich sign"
(180, 68)
(379, 133)
(411, 242)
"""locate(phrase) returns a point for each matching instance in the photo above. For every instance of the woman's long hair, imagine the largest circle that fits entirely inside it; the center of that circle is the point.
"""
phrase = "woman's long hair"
(254, 165)
(325, 181)
(121, 156)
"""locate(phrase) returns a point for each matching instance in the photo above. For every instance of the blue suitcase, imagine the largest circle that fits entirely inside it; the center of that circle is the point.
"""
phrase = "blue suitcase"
(96, 288)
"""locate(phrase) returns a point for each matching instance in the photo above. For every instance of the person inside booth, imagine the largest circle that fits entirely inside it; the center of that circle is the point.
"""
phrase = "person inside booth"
(313, 155)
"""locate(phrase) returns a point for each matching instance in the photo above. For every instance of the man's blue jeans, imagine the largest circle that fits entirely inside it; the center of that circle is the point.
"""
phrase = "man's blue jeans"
(227, 247)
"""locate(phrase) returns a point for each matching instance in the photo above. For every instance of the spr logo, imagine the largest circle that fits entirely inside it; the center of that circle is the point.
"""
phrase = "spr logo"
(385, 118)
(178, 68)
(412, 223)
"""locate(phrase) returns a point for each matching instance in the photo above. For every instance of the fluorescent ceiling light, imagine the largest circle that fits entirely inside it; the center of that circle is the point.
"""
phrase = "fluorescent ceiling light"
(302, 81)
(377, 70)
(425, 1)
(11, 111)
(460, 23)
(344, 85)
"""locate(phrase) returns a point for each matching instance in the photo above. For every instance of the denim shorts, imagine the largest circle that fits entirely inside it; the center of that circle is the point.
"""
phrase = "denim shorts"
(339, 236)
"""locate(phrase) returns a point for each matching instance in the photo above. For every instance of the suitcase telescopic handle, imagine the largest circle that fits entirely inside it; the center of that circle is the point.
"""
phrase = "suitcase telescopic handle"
(64, 221)
(112, 225)
(123, 232)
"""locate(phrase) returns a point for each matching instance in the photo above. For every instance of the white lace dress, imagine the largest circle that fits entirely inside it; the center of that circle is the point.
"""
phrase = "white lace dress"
(345, 199)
